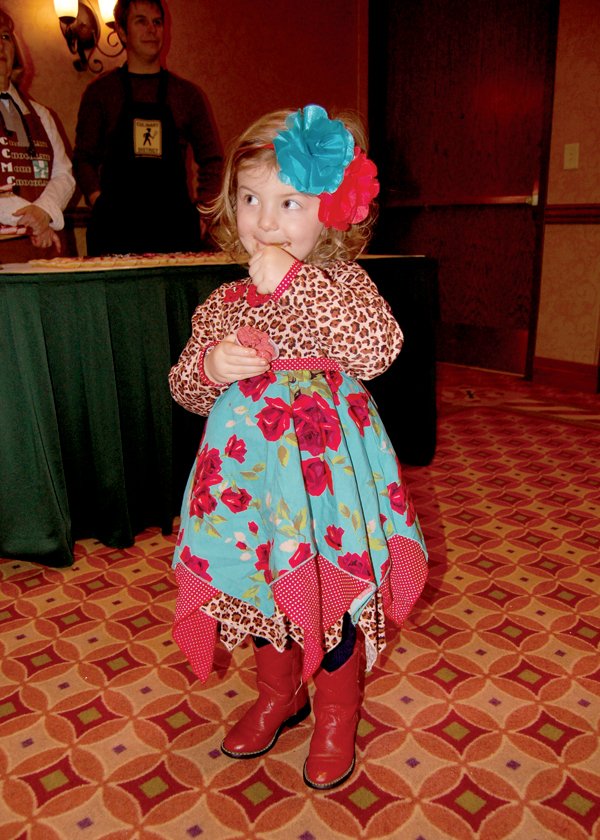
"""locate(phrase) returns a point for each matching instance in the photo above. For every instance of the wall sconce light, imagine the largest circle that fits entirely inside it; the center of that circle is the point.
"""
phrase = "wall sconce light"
(81, 30)
(107, 12)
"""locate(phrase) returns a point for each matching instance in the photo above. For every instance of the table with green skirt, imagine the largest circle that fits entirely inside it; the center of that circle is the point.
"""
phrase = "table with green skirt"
(91, 443)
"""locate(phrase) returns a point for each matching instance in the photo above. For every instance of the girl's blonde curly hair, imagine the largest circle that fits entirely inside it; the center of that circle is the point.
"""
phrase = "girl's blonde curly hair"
(254, 148)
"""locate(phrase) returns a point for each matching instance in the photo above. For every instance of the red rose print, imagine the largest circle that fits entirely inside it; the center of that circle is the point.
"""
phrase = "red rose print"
(208, 467)
(333, 537)
(302, 553)
(202, 501)
(334, 380)
(357, 564)
(359, 410)
(263, 553)
(397, 497)
(317, 476)
(317, 425)
(236, 449)
(236, 500)
(255, 387)
(253, 527)
(198, 565)
(274, 420)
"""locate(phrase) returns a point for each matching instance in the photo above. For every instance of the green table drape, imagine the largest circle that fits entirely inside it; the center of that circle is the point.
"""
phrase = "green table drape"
(91, 443)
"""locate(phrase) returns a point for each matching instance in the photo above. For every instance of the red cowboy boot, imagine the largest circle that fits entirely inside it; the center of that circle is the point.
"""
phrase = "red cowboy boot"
(282, 702)
(336, 706)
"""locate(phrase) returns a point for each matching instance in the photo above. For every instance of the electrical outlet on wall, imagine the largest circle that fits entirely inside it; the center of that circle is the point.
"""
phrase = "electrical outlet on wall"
(571, 156)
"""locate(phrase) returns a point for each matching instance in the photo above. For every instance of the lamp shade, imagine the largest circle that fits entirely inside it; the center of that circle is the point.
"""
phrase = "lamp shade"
(66, 8)
(107, 10)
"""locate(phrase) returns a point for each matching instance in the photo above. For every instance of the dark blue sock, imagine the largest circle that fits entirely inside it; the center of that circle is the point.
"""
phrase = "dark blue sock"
(342, 652)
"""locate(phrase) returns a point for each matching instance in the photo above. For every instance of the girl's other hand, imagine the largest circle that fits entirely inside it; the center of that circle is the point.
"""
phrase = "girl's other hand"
(228, 361)
(268, 267)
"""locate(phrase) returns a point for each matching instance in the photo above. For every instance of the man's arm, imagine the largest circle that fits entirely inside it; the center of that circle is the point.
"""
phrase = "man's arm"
(98, 112)
(203, 137)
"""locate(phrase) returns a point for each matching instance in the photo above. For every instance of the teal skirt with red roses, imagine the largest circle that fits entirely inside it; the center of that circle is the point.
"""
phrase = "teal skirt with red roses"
(295, 504)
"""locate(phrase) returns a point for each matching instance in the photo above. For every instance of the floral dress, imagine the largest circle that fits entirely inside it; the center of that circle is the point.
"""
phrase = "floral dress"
(295, 511)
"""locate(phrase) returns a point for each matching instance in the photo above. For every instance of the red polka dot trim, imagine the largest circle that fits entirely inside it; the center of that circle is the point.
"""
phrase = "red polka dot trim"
(315, 596)
(307, 363)
(404, 584)
(194, 632)
(203, 377)
(287, 280)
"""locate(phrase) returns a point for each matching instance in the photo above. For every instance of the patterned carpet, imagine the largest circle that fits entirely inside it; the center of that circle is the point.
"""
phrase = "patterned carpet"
(480, 721)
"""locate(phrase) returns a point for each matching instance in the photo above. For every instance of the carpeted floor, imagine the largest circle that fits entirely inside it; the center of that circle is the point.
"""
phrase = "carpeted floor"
(480, 721)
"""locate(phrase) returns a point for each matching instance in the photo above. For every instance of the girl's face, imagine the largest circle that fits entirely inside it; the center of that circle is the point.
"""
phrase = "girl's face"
(269, 212)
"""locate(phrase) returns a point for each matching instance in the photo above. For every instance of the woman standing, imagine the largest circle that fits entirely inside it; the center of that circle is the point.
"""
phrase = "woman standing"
(36, 181)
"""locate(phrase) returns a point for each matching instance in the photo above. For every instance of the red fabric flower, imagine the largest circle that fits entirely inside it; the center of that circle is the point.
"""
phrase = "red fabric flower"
(235, 292)
(349, 204)
(254, 298)
(245, 288)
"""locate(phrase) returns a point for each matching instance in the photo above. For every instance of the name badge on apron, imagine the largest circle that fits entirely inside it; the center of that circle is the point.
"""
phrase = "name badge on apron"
(41, 168)
(147, 138)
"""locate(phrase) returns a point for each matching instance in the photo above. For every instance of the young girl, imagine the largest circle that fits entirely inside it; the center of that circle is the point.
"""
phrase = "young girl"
(296, 525)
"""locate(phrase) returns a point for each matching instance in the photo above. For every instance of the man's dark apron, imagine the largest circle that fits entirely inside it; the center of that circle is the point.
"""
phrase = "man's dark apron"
(144, 204)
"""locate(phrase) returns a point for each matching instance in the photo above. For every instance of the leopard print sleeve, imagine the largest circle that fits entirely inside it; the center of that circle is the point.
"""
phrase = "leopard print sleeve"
(348, 320)
(185, 382)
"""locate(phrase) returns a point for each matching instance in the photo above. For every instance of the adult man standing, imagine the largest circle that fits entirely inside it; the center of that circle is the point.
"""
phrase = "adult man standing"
(134, 127)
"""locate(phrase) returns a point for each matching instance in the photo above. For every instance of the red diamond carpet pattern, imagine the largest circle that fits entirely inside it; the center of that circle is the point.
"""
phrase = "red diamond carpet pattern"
(480, 721)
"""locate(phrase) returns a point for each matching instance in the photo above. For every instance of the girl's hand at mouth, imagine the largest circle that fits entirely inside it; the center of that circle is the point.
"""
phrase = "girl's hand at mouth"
(268, 266)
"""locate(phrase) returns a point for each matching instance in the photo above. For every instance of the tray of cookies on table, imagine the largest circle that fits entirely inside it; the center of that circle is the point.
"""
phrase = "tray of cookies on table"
(119, 261)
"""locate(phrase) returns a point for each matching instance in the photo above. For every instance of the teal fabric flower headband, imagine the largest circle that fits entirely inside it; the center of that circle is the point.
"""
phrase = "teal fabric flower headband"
(317, 155)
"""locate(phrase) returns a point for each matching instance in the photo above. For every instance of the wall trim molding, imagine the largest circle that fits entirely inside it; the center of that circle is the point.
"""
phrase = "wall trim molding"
(570, 376)
(572, 214)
